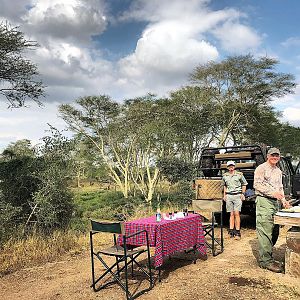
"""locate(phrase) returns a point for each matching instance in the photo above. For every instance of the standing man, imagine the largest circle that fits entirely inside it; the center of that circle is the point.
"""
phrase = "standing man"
(234, 189)
(270, 195)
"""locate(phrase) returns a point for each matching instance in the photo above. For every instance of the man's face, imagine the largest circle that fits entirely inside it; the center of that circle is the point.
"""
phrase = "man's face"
(231, 168)
(273, 159)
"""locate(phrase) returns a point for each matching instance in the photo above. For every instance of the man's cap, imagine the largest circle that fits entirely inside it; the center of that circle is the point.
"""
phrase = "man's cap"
(230, 163)
(274, 151)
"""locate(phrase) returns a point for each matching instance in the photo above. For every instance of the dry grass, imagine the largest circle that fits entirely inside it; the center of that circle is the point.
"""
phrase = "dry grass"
(17, 254)
(35, 250)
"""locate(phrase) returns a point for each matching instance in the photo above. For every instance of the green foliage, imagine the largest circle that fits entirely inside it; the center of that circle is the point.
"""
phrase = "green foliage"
(175, 169)
(20, 148)
(241, 89)
(97, 119)
(18, 182)
(53, 199)
(88, 164)
(180, 195)
(34, 188)
(17, 75)
(288, 139)
(190, 110)
(8, 219)
(102, 205)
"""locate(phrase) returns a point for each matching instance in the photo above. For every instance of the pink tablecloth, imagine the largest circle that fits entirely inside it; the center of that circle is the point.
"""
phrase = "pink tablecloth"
(168, 236)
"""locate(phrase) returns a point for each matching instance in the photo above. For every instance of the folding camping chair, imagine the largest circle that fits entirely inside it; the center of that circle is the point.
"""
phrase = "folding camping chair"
(209, 209)
(124, 256)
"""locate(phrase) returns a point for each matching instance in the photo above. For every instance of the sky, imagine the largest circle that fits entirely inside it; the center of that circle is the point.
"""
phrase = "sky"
(128, 48)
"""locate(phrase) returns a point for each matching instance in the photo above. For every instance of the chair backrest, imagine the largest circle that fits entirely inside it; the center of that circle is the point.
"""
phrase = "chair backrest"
(206, 208)
(207, 205)
(111, 227)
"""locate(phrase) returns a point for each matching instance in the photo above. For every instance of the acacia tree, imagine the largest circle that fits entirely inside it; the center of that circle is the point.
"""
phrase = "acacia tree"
(129, 137)
(19, 149)
(190, 111)
(88, 164)
(18, 75)
(241, 89)
(148, 121)
(98, 119)
(288, 139)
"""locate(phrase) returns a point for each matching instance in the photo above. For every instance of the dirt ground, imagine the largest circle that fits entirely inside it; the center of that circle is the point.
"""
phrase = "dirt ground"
(234, 274)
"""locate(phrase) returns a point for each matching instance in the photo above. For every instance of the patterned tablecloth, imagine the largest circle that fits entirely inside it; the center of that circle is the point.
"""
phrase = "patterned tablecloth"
(168, 236)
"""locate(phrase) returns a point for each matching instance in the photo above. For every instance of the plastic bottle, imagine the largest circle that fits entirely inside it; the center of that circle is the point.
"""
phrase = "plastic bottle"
(158, 215)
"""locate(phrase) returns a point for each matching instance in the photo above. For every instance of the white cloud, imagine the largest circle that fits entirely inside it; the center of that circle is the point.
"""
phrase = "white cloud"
(174, 42)
(75, 20)
(13, 12)
(171, 46)
(237, 38)
(165, 55)
(291, 42)
(290, 107)
(28, 122)
(292, 114)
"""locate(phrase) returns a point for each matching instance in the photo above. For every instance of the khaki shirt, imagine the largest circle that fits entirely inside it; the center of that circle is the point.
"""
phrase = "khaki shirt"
(267, 180)
(234, 182)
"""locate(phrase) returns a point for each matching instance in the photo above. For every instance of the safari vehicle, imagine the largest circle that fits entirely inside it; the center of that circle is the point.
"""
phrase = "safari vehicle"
(212, 166)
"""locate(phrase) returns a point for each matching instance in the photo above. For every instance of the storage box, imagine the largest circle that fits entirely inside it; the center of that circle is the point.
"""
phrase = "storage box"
(209, 188)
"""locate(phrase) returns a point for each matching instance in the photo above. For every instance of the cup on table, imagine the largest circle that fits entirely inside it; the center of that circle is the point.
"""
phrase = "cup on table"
(185, 212)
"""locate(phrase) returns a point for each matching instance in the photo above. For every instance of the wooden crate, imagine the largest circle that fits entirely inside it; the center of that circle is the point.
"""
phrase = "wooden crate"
(240, 165)
(292, 254)
(239, 155)
(209, 188)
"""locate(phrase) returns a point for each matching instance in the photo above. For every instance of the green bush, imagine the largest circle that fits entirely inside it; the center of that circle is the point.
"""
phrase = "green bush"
(8, 215)
(106, 205)
(180, 195)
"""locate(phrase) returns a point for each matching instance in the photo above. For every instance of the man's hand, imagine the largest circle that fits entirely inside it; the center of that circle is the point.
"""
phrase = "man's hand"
(225, 198)
(278, 195)
(285, 204)
(242, 197)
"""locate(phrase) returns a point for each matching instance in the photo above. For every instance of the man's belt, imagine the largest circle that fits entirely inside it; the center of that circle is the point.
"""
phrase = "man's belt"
(270, 198)
(233, 193)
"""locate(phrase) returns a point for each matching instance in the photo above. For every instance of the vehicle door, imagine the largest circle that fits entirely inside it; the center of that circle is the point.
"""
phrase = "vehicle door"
(296, 182)
(287, 176)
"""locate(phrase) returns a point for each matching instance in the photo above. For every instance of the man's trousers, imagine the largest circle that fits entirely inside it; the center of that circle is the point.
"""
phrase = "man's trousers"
(267, 232)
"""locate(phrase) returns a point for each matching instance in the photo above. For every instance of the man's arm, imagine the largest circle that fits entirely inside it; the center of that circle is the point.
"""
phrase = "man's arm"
(244, 185)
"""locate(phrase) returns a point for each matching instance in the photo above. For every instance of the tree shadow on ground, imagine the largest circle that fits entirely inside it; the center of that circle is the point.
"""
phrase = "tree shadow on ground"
(177, 261)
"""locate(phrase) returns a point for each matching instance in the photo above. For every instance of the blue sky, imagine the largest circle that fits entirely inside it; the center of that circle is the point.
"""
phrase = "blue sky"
(127, 48)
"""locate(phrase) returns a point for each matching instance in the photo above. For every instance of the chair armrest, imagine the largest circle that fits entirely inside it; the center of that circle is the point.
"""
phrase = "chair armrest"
(136, 233)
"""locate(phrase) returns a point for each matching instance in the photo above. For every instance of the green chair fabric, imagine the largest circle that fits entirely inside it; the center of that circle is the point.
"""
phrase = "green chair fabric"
(125, 256)
(209, 209)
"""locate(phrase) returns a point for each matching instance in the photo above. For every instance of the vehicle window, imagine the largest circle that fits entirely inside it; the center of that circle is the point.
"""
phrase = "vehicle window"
(298, 169)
